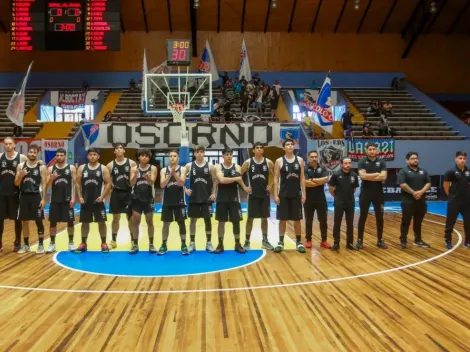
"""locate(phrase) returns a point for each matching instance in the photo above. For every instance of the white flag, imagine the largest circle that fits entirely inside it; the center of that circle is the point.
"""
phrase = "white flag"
(15, 109)
(145, 70)
(245, 69)
(207, 64)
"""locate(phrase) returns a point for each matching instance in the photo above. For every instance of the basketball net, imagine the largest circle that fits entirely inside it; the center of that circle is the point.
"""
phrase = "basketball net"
(177, 110)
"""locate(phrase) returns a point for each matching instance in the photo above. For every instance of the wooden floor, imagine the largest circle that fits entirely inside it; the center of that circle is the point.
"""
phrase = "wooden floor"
(421, 308)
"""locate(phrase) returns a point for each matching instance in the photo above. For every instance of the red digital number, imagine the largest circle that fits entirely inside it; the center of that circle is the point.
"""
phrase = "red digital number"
(178, 54)
(182, 55)
(174, 55)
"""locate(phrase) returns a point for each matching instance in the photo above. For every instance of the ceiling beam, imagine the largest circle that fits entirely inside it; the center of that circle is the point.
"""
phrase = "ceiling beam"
(123, 29)
(388, 16)
(316, 17)
(412, 18)
(340, 15)
(193, 19)
(267, 16)
(416, 35)
(243, 16)
(435, 16)
(3, 27)
(459, 16)
(363, 17)
(289, 29)
(144, 13)
(170, 25)
(218, 16)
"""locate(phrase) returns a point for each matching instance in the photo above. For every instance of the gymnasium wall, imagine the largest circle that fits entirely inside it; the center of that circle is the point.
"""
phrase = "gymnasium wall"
(436, 64)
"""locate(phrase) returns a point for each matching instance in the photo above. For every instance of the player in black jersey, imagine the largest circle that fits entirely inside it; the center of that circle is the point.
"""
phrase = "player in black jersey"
(172, 180)
(228, 200)
(289, 185)
(62, 182)
(9, 193)
(93, 184)
(201, 192)
(120, 202)
(31, 177)
(143, 178)
(259, 207)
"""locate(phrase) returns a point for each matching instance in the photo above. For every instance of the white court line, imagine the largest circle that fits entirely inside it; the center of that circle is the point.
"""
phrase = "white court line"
(316, 282)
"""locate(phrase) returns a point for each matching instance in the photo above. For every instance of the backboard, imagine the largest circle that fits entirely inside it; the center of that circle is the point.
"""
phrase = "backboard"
(192, 90)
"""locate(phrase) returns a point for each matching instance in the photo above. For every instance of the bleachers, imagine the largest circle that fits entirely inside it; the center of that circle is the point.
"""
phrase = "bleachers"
(410, 120)
(6, 126)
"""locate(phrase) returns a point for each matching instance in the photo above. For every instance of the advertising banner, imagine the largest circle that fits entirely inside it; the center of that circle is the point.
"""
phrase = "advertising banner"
(385, 148)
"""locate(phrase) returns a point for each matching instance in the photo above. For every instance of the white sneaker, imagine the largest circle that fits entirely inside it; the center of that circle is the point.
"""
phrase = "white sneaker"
(71, 247)
(51, 248)
(192, 247)
(24, 249)
(209, 247)
(40, 249)
(112, 244)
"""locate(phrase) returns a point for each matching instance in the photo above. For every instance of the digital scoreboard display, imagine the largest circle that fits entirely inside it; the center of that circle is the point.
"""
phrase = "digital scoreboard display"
(92, 25)
(178, 52)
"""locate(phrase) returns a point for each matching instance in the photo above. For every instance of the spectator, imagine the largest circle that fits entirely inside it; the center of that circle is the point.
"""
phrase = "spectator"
(366, 131)
(256, 79)
(250, 87)
(244, 101)
(17, 131)
(85, 85)
(132, 84)
(387, 108)
(107, 117)
(278, 87)
(119, 119)
(83, 119)
(237, 88)
(225, 78)
(384, 129)
(374, 108)
(259, 103)
(140, 86)
(346, 119)
(395, 83)
(243, 81)
(274, 101)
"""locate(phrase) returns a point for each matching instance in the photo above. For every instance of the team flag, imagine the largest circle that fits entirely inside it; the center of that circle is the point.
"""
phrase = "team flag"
(15, 109)
(324, 107)
(145, 70)
(207, 64)
(245, 69)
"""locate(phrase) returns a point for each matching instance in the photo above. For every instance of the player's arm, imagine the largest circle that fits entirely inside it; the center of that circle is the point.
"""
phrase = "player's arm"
(20, 173)
(132, 163)
(73, 171)
(245, 188)
(363, 173)
(107, 183)
(332, 184)
(447, 181)
(446, 187)
(51, 177)
(277, 170)
(302, 179)
(153, 175)
(163, 179)
(245, 166)
(382, 176)
(23, 158)
(180, 179)
(225, 180)
(133, 175)
(214, 182)
(44, 181)
(401, 180)
(78, 184)
(271, 176)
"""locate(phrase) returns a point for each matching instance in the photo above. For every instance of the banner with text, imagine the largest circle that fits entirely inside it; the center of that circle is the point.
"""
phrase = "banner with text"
(50, 146)
(73, 98)
(168, 135)
(330, 153)
(385, 148)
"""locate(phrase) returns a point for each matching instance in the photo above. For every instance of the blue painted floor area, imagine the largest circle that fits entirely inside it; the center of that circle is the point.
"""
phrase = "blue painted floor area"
(144, 264)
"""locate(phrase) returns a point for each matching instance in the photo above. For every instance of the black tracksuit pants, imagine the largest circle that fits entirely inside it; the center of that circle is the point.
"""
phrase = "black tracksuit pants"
(340, 210)
(453, 211)
(415, 210)
(309, 211)
(364, 204)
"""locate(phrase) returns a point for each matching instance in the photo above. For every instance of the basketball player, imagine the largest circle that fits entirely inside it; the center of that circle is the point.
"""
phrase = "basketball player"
(289, 183)
(457, 187)
(342, 186)
(31, 177)
(143, 178)
(172, 180)
(201, 192)
(373, 173)
(414, 183)
(93, 184)
(9, 193)
(120, 202)
(315, 179)
(228, 206)
(62, 182)
(259, 205)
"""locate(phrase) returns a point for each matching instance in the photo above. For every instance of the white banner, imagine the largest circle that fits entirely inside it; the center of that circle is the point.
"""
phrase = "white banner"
(168, 135)
(330, 153)
(16, 109)
(71, 99)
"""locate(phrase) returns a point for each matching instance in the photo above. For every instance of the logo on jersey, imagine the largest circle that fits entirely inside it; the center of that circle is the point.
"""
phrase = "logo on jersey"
(467, 173)
(265, 168)
(377, 163)
(67, 171)
(98, 173)
(115, 171)
(319, 169)
(421, 172)
(126, 168)
(194, 172)
(232, 172)
(35, 172)
(15, 163)
(253, 168)
(206, 170)
(353, 179)
(296, 166)
(4, 163)
(85, 174)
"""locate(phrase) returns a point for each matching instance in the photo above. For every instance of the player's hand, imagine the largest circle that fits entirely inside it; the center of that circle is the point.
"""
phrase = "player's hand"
(24, 172)
(72, 203)
(42, 204)
(303, 199)
(268, 189)
(53, 176)
(189, 191)
(416, 195)
(147, 176)
(277, 200)
(212, 197)
(81, 200)
(99, 199)
(172, 171)
(248, 190)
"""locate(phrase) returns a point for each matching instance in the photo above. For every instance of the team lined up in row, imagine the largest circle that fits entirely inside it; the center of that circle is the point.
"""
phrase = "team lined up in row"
(132, 193)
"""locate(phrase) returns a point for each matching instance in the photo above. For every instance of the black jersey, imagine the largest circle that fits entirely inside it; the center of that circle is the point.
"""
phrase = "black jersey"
(120, 175)
(143, 191)
(92, 183)
(31, 183)
(62, 185)
(227, 193)
(173, 193)
(290, 179)
(258, 175)
(200, 183)
(7, 174)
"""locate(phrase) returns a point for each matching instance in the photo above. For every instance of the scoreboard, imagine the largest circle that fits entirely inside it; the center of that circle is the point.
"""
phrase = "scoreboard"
(91, 25)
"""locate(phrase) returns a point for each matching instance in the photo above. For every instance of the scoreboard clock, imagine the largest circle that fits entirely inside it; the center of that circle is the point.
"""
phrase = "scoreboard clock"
(178, 52)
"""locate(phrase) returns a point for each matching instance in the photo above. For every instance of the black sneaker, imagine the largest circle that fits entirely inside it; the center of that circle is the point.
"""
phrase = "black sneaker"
(403, 244)
(352, 247)
(219, 249)
(467, 245)
(382, 244)
(359, 245)
(163, 249)
(239, 248)
(335, 247)
(448, 244)
(134, 249)
(184, 249)
(421, 244)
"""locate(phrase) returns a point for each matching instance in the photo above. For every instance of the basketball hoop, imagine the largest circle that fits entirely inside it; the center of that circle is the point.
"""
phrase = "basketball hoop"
(177, 111)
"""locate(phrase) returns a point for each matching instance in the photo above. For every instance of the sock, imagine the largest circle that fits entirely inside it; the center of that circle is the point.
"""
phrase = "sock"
(192, 238)
(237, 240)
(248, 238)
(114, 236)
(281, 239)
(70, 238)
(164, 243)
(298, 238)
(208, 237)
(26, 241)
(151, 240)
(41, 240)
(52, 239)
(183, 242)
(221, 240)
(84, 240)
(265, 236)
(103, 240)
(136, 242)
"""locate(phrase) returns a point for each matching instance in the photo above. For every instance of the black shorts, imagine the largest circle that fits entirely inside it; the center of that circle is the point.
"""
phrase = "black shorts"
(228, 211)
(200, 210)
(95, 212)
(142, 207)
(29, 207)
(289, 209)
(9, 207)
(173, 213)
(259, 207)
(61, 212)
(120, 202)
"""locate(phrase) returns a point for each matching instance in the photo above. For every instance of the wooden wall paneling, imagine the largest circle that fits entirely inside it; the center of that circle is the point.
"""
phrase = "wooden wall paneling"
(400, 16)
(207, 15)
(328, 17)
(180, 15)
(132, 15)
(352, 17)
(5, 14)
(463, 26)
(279, 17)
(255, 15)
(157, 15)
(231, 15)
(447, 16)
(304, 15)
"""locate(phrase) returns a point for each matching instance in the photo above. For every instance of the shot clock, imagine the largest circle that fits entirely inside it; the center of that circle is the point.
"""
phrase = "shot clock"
(178, 52)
